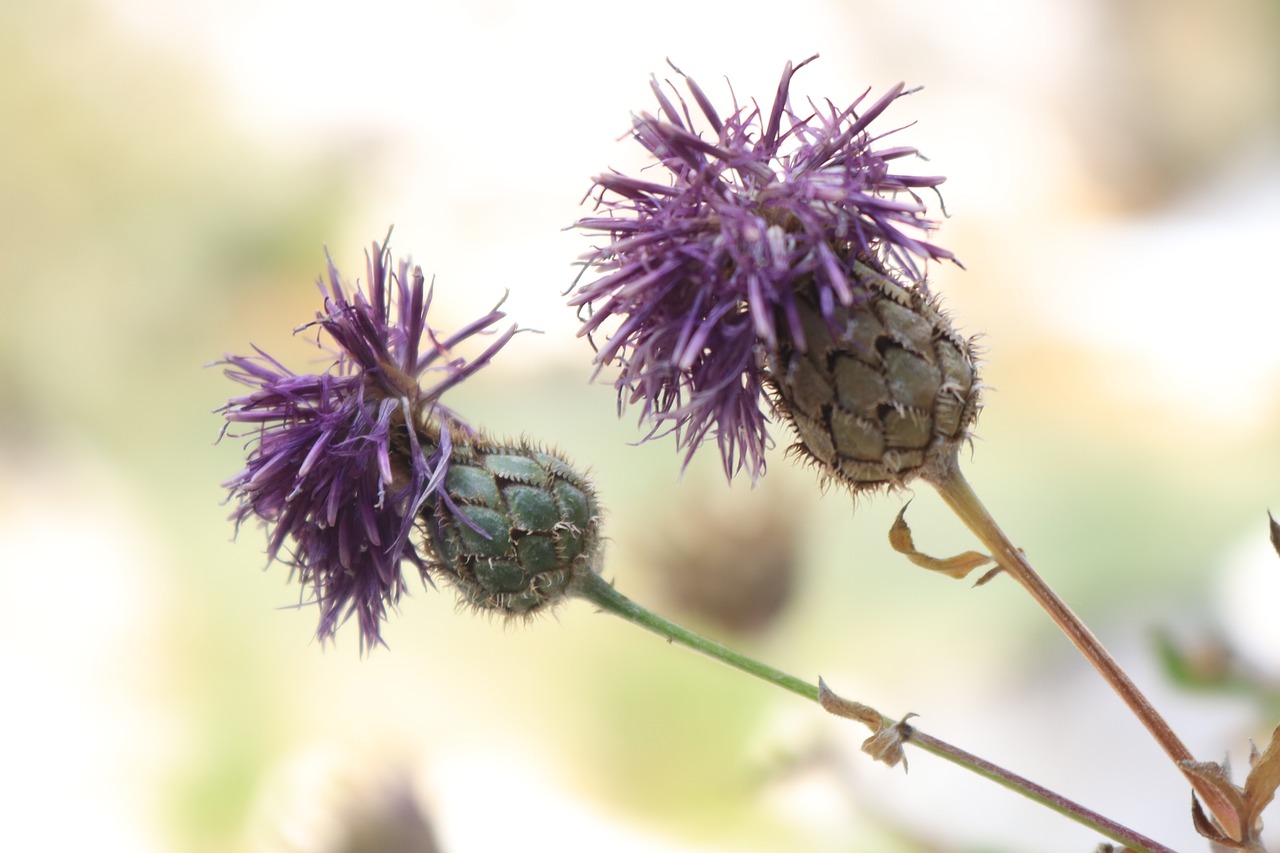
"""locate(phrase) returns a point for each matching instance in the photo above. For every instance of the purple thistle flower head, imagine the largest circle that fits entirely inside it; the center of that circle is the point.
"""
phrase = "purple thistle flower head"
(702, 269)
(340, 463)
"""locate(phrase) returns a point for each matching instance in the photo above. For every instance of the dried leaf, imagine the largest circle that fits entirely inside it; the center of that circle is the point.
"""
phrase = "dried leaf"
(1208, 828)
(1275, 531)
(847, 708)
(1216, 777)
(957, 567)
(886, 744)
(1260, 787)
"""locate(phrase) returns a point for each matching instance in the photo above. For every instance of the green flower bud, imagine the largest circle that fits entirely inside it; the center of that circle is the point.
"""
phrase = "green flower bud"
(885, 390)
(518, 525)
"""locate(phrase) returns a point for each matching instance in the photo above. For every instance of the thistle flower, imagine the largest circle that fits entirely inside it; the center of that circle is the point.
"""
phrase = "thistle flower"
(754, 259)
(341, 463)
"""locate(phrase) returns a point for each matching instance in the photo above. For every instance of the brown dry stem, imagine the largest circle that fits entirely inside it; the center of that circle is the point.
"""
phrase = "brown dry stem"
(959, 495)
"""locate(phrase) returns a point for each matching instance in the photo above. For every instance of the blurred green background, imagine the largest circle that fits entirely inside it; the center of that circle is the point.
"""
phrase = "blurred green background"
(170, 174)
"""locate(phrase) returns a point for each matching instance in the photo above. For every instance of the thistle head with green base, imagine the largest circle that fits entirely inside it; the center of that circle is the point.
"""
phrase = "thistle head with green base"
(359, 471)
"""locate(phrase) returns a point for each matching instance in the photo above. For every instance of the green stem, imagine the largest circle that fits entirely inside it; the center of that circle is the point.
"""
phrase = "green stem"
(959, 495)
(601, 593)
(595, 589)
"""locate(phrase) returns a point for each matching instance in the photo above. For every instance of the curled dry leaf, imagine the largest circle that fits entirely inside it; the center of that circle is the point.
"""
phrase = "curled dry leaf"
(885, 743)
(1248, 802)
(1208, 828)
(957, 567)
(1216, 777)
(1275, 531)
(847, 708)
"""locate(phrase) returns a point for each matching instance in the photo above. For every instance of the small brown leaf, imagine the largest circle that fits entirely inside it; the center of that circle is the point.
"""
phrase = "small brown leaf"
(1275, 531)
(847, 708)
(957, 567)
(1214, 776)
(1260, 786)
(1208, 828)
(886, 744)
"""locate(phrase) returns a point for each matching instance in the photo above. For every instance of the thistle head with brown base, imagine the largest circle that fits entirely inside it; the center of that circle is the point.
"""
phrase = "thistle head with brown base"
(777, 270)
(883, 391)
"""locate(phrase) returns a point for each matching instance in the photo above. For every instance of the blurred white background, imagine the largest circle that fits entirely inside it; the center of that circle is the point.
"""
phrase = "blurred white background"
(169, 176)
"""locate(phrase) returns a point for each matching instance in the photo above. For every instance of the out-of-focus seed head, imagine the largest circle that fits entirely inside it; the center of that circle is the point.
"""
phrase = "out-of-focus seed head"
(729, 558)
(515, 525)
(884, 390)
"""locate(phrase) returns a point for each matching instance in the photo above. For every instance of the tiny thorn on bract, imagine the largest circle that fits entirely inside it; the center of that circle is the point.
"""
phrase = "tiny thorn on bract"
(957, 567)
